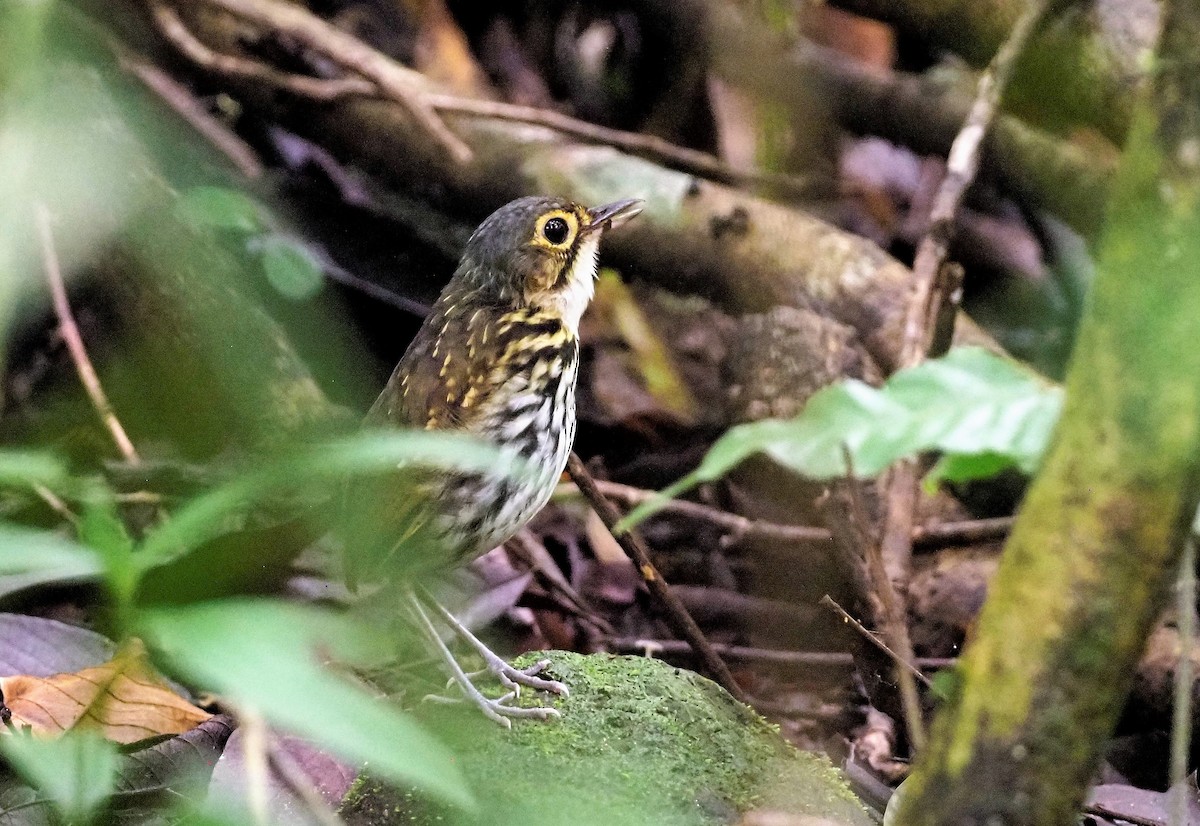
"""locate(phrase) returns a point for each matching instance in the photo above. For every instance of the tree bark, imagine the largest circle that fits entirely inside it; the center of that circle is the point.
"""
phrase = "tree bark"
(1098, 538)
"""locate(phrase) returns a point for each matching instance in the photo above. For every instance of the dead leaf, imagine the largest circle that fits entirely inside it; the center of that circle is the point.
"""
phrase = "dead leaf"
(124, 699)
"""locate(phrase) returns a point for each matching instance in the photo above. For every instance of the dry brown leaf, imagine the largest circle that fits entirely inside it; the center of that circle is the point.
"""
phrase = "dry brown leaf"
(124, 699)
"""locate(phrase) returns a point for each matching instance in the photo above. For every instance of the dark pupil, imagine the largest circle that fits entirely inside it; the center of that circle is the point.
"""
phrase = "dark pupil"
(555, 230)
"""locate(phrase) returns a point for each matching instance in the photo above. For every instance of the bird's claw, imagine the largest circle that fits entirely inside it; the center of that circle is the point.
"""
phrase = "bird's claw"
(498, 708)
(513, 678)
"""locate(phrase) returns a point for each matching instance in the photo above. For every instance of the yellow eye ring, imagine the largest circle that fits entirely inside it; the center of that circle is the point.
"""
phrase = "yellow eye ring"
(557, 229)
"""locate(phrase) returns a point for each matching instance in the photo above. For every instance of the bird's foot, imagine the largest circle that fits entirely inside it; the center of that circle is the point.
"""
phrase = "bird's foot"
(501, 709)
(512, 678)
(497, 709)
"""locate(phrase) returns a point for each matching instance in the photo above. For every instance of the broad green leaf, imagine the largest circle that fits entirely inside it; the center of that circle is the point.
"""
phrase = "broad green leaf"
(77, 772)
(970, 403)
(367, 452)
(219, 208)
(267, 655)
(30, 557)
(291, 269)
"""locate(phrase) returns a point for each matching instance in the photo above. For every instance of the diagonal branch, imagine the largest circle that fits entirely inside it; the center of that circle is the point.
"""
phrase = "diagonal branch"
(74, 341)
(633, 545)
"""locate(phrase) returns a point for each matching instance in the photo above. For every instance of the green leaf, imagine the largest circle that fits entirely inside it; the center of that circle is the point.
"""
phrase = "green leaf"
(215, 207)
(77, 771)
(30, 557)
(102, 529)
(291, 269)
(25, 467)
(334, 461)
(958, 467)
(267, 655)
(970, 403)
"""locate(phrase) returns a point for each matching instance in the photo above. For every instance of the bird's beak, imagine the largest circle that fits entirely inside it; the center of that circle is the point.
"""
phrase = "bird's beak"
(611, 216)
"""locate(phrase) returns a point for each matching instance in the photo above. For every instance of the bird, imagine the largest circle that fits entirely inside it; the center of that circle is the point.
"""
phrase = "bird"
(496, 358)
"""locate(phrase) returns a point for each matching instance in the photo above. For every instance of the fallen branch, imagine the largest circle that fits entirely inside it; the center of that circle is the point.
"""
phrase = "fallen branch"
(694, 236)
(636, 143)
(314, 88)
(391, 80)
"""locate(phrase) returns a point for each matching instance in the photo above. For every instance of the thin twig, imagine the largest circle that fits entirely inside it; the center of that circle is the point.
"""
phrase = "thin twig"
(635, 143)
(937, 535)
(1125, 817)
(872, 638)
(254, 756)
(74, 341)
(633, 545)
(392, 81)
(526, 547)
(807, 659)
(961, 166)
(175, 95)
(56, 503)
(1181, 722)
(892, 613)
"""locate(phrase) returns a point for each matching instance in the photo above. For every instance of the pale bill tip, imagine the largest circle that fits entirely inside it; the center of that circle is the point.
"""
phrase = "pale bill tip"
(613, 215)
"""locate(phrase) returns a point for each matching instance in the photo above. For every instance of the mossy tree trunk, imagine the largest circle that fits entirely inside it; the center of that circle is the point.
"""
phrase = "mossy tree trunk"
(1097, 540)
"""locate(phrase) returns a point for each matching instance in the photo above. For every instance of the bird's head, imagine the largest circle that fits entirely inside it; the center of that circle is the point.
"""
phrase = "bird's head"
(540, 252)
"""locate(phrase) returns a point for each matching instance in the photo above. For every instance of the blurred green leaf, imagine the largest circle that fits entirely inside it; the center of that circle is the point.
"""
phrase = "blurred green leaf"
(31, 557)
(216, 207)
(77, 772)
(970, 403)
(334, 461)
(103, 530)
(25, 467)
(291, 269)
(268, 655)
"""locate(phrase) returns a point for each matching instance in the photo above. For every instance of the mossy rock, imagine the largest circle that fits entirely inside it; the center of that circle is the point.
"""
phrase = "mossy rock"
(639, 742)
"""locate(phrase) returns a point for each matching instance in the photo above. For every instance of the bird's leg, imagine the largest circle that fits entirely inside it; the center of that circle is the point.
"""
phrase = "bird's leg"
(494, 709)
(510, 677)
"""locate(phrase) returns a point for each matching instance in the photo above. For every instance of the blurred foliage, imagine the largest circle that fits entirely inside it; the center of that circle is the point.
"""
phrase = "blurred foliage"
(77, 137)
(261, 654)
(78, 793)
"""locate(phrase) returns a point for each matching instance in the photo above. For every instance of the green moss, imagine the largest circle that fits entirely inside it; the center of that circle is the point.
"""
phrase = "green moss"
(639, 742)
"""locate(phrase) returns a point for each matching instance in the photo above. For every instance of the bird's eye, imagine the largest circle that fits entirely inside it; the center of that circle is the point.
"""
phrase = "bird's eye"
(555, 231)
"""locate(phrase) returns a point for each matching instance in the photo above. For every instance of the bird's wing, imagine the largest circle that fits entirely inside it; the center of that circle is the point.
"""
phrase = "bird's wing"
(441, 379)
